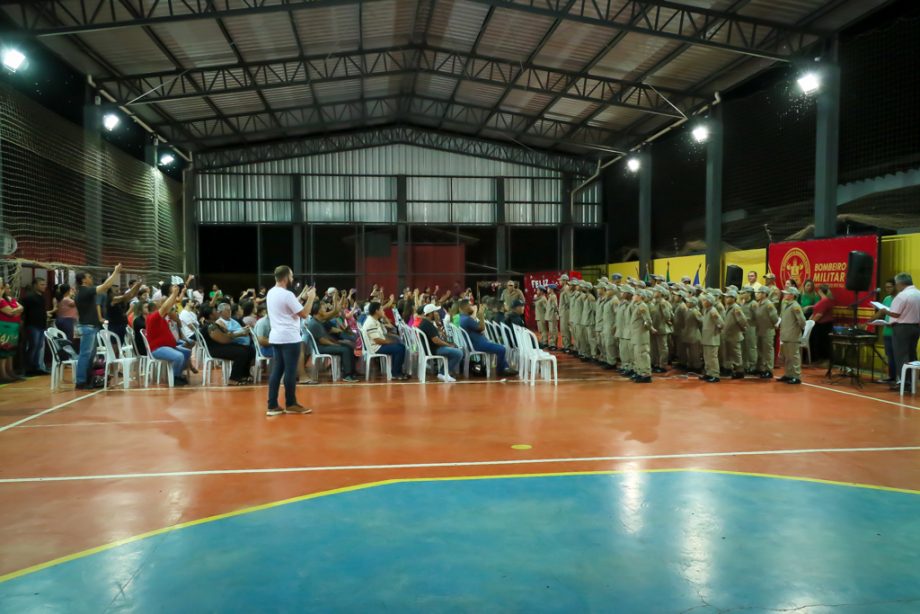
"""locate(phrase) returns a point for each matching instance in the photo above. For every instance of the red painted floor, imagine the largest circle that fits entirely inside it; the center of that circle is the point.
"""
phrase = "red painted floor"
(591, 421)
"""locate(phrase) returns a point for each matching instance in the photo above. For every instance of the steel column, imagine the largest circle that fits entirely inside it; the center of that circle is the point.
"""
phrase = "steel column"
(826, 152)
(645, 211)
(567, 229)
(714, 156)
(501, 230)
(92, 187)
(402, 228)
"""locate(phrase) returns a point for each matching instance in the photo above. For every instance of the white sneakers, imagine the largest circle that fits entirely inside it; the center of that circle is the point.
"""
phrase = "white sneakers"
(447, 379)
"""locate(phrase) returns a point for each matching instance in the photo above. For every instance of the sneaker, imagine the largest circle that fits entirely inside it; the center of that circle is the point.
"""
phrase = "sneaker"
(784, 378)
(793, 380)
(508, 373)
(274, 411)
(712, 380)
(643, 379)
(351, 379)
(400, 378)
(297, 409)
(738, 375)
(180, 381)
(447, 379)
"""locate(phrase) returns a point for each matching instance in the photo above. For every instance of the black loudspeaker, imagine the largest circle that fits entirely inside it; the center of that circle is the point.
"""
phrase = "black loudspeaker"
(859, 271)
(734, 276)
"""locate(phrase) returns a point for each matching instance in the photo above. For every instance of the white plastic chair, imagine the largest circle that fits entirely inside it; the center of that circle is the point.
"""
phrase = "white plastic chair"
(913, 368)
(425, 355)
(316, 358)
(806, 337)
(157, 364)
(462, 340)
(59, 366)
(116, 361)
(369, 356)
(410, 342)
(508, 339)
(534, 359)
(208, 362)
(261, 359)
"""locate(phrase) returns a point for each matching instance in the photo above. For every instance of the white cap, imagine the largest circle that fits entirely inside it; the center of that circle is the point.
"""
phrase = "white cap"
(430, 308)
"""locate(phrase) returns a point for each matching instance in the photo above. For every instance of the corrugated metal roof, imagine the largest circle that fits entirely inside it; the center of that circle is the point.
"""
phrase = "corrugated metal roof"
(435, 86)
(455, 24)
(387, 23)
(194, 43)
(328, 29)
(268, 38)
(513, 36)
(137, 54)
(573, 45)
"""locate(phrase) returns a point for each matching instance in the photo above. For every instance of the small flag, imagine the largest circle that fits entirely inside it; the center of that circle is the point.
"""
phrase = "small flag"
(696, 278)
(667, 273)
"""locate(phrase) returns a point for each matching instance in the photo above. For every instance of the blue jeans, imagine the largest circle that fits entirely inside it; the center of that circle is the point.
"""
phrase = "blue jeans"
(35, 356)
(285, 365)
(177, 356)
(453, 355)
(492, 348)
(397, 354)
(87, 352)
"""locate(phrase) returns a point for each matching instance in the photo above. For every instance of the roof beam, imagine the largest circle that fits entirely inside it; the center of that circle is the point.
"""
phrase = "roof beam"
(82, 16)
(422, 108)
(661, 18)
(235, 78)
(388, 135)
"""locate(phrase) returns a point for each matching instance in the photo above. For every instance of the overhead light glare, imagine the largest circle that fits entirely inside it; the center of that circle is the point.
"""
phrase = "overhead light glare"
(110, 121)
(809, 83)
(700, 134)
(633, 165)
(167, 159)
(13, 59)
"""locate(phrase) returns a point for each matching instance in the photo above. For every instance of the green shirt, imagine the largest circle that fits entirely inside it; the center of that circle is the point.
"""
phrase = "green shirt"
(886, 330)
(807, 300)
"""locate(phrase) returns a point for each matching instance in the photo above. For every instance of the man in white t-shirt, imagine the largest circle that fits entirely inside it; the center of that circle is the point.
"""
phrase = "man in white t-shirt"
(285, 312)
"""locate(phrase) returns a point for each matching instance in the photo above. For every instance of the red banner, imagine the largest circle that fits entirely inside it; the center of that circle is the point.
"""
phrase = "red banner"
(824, 261)
(544, 278)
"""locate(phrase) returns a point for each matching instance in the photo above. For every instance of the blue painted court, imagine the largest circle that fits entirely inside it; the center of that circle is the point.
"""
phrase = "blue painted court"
(628, 542)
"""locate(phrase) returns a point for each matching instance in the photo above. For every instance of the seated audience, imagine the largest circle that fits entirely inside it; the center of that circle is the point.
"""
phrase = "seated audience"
(517, 314)
(249, 317)
(139, 323)
(430, 325)
(162, 341)
(220, 345)
(262, 330)
(381, 343)
(65, 310)
(326, 344)
(237, 332)
(474, 328)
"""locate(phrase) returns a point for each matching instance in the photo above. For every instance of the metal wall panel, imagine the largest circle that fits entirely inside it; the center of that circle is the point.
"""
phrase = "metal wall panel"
(518, 213)
(590, 195)
(474, 213)
(375, 212)
(473, 189)
(268, 211)
(518, 190)
(547, 213)
(428, 188)
(428, 213)
(327, 211)
(587, 215)
(220, 211)
(547, 191)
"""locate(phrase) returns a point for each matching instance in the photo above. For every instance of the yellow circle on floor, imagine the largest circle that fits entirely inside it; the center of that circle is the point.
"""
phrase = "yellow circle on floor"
(521, 446)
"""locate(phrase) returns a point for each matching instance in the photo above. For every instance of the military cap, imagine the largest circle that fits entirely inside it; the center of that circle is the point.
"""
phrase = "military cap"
(791, 290)
(715, 292)
(627, 290)
(563, 277)
(731, 293)
(769, 276)
(708, 298)
(748, 289)
(732, 287)
(616, 276)
(762, 290)
(640, 283)
(685, 279)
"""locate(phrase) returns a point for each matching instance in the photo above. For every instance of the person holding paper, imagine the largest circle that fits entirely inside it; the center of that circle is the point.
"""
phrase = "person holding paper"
(905, 322)
(890, 292)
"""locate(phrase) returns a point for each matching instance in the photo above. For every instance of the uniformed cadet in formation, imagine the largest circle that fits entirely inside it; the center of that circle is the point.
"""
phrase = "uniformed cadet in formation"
(773, 292)
(510, 294)
(565, 306)
(640, 329)
(766, 320)
(552, 316)
(792, 325)
(539, 315)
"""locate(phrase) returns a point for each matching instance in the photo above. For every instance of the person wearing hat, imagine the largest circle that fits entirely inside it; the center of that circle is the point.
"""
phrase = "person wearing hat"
(599, 306)
(609, 348)
(552, 316)
(663, 327)
(773, 292)
(710, 338)
(766, 320)
(640, 333)
(791, 327)
(539, 314)
(587, 321)
(679, 319)
(622, 325)
(749, 345)
(576, 313)
(430, 326)
(510, 294)
(566, 294)
(694, 336)
(733, 334)
(516, 315)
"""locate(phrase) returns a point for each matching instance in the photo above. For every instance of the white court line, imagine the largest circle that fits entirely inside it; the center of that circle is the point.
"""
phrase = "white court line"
(529, 461)
(49, 410)
(863, 396)
(113, 423)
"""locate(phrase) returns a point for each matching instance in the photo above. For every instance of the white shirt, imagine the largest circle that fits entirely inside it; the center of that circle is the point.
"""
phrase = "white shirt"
(373, 329)
(284, 312)
(189, 320)
(907, 305)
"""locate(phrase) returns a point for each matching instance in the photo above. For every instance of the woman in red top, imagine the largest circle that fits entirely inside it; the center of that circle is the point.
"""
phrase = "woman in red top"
(823, 316)
(10, 317)
(162, 341)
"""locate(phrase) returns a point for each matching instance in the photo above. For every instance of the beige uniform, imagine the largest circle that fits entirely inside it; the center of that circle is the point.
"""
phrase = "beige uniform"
(654, 312)
(623, 316)
(775, 296)
(552, 318)
(640, 336)
(711, 340)
(510, 297)
(791, 327)
(678, 337)
(749, 345)
(611, 348)
(663, 326)
(733, 336)
(587, 323)
(565, 306)
(575, 310)
(599, 307)
(765, 318)
(692, 338)
(539, 314)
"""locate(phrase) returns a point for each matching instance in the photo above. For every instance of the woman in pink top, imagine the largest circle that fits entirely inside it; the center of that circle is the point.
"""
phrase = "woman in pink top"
(65, 310)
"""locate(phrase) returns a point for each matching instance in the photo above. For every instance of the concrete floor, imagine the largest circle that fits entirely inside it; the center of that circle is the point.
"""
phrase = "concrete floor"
(166, 500)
